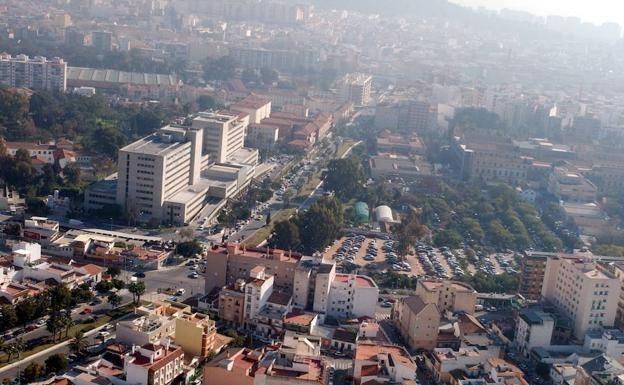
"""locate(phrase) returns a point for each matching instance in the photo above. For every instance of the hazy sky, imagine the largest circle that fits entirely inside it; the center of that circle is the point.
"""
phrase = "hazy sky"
(595, 11)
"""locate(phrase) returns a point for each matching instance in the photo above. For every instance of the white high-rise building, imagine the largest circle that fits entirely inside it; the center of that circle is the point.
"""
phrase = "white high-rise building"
(583, 291)
(155, 168)
(356, 88)
(224, 135)
(36, 73)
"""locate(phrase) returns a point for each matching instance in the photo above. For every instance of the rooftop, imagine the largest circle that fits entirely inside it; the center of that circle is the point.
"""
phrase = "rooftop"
(359, 280)
(370, 352)
(114, 76)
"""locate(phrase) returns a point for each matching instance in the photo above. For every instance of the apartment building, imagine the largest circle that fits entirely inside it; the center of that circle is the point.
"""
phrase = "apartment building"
(155, 364)
(41, 230)
(229, 263)
(195, 333)
(417, 322)
(352, 296)
(382, 364)
(617, 268)
(257, 107)
(312, 283)
(583, 291)
(533, 329)
(451, 296)
(532, 270)
(35, 73)
(356, 88)
(443, 361)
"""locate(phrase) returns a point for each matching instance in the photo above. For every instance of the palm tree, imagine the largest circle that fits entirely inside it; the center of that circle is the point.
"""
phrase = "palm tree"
(67, 323)
(78, 343)
(18, 347)
(53, 324)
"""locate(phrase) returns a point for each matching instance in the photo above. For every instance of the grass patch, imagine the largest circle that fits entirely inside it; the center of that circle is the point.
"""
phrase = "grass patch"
(263, 233)
(344, 146)
(307, 188)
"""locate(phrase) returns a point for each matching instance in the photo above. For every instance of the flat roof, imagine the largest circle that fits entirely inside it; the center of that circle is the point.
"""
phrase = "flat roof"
(121, 77)
(153, 145)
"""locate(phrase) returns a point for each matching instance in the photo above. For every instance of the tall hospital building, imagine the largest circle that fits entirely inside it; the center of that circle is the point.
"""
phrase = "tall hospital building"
(171, 175)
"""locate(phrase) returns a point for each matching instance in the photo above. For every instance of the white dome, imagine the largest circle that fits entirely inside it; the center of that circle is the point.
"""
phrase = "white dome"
(383, 214)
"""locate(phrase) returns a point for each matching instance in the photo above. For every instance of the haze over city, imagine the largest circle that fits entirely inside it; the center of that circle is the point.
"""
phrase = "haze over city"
(311, 192)
(599, 11)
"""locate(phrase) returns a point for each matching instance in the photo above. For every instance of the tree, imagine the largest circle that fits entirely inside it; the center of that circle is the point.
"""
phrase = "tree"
(54, 325)
(66, 322)
(72, 174)
(60, 297)
(249, 75)
(56, 363)
(206, 102)
(113, 271)
(25, 310)
(285, 235)
(103, 286)
(9, 317)
(189, 249)
(114, 300)
(345, 177)
(269, 76)
(408, 232)
(222, 68)
(186, 233)
(268, 218)
(137, 289)
(32, 372)
(448, 237)
(81, 293)
(321, 224)
(78, 343)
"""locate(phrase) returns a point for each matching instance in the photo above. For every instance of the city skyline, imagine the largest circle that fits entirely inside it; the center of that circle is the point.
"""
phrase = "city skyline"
(597, 12)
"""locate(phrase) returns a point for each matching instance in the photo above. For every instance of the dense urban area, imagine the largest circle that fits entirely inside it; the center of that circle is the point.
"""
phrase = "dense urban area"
(311, 192)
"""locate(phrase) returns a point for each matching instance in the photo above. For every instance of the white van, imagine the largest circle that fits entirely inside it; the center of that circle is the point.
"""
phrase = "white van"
(181, 291)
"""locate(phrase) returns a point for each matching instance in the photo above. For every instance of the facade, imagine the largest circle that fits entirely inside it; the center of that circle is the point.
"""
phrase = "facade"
(312, 283)
(382, 363)
(448, 295)
(417, 321)
(608, 341)
(102, 41)
(195, 334)
(533, 329)
(352, 296)
(35, 73)
(155, 168)
(225, 265)
(223, 135)
(154, 364)
(356, 88)
(582, 291)
(532, 273)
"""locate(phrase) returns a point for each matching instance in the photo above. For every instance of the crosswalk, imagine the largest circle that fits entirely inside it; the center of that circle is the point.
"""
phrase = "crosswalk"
(342, 364)
(382, 316)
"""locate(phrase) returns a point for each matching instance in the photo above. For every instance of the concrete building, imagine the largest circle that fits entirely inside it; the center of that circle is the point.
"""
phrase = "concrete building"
(608, 341)
(35, 73)
(41, 230)
(195, 334)
(226, 264)
(356, 88)
(451, 296)
(533, 329)
(571, 186)
(532, 275)
(257, 107)
(154, 364)
(382, 364)
(312, 283)
(223, 135)
(583, 291)
(352, 296)
(155, 168)
(417, 322)
(443, 361)
(102, 41)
